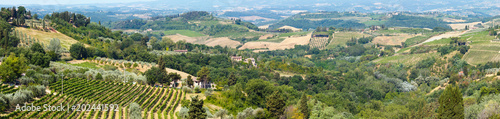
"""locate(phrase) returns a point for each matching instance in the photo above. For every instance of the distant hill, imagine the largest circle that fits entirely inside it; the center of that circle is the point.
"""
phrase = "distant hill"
(357, 20)
(199, 21)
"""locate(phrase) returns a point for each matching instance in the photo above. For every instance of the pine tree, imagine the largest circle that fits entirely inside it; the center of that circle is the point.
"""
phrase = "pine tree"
(275, 104)
(451, 105)
(303, 106)
(203, 75)
(196, 110)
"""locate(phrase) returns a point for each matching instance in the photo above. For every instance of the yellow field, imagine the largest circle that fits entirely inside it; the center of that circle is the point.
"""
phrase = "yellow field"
(45, 37)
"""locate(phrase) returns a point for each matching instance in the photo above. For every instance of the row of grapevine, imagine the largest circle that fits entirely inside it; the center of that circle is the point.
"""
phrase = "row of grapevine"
(319, 42)
(6, 89)
(154, 101)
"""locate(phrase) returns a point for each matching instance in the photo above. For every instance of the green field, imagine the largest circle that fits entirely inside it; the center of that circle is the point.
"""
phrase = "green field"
(293, 34)
(409, 59)
(341, 38)
(240, 35)
(91, 65)
(184, 32)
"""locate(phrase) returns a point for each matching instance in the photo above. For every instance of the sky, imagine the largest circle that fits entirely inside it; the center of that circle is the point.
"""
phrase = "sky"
(62, 2)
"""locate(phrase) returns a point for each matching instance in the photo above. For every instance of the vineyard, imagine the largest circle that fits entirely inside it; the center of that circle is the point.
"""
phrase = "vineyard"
(6, 89)
(319, 42)
(158, 103)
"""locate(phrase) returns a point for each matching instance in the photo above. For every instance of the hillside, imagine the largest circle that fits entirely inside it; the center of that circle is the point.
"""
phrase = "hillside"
(45, 37)
(193, 65)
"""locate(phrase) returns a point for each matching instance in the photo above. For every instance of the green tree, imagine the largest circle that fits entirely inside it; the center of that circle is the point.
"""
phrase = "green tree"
(98, 76)
(55, 45)
(40, 59)
(154, 75)
(174, 77)
(134, 111)
(13, 67)
(303, 106)
(7, 39)
(203, 75)
(451, 105)
(78, 51)
(36, 47)
(275, 104)
(196, 110)
(190, 81)
(232, 79)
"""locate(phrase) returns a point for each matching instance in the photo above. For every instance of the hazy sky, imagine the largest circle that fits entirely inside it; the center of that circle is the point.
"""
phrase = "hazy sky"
(62, 2)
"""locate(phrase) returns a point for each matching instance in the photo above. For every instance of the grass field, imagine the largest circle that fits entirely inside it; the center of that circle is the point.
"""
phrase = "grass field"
(409, 59)
(45, 37)
(419, 39)
(184, 32)
(341, 38)
(91, 65)
(293, 34)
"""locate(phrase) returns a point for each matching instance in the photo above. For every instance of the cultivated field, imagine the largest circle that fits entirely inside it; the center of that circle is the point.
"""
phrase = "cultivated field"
(482, 56)
(45, 37)
(188, 33)
(288, 43)
(222, 41)
(392, 40)
(291, 28)
(461, 26)
(318, 42)
(342, 37)
(445, 35)
(158, 103)
(409, 59)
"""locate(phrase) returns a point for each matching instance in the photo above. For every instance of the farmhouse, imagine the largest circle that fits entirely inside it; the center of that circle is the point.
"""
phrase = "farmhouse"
(251, 60)
(236, 58)
(200, 83)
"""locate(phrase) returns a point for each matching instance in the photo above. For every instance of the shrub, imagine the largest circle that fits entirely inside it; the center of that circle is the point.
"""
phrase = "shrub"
(109, 67)
(187, 89)
(38, 90)
(127, 65)
(197, 89)
(183, 113)
(134, 111)
(26, 80)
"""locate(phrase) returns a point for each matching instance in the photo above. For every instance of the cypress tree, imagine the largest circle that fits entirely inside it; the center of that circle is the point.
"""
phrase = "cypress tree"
(232, 79)
(303, 106)
(275, 104)
(451, 105)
